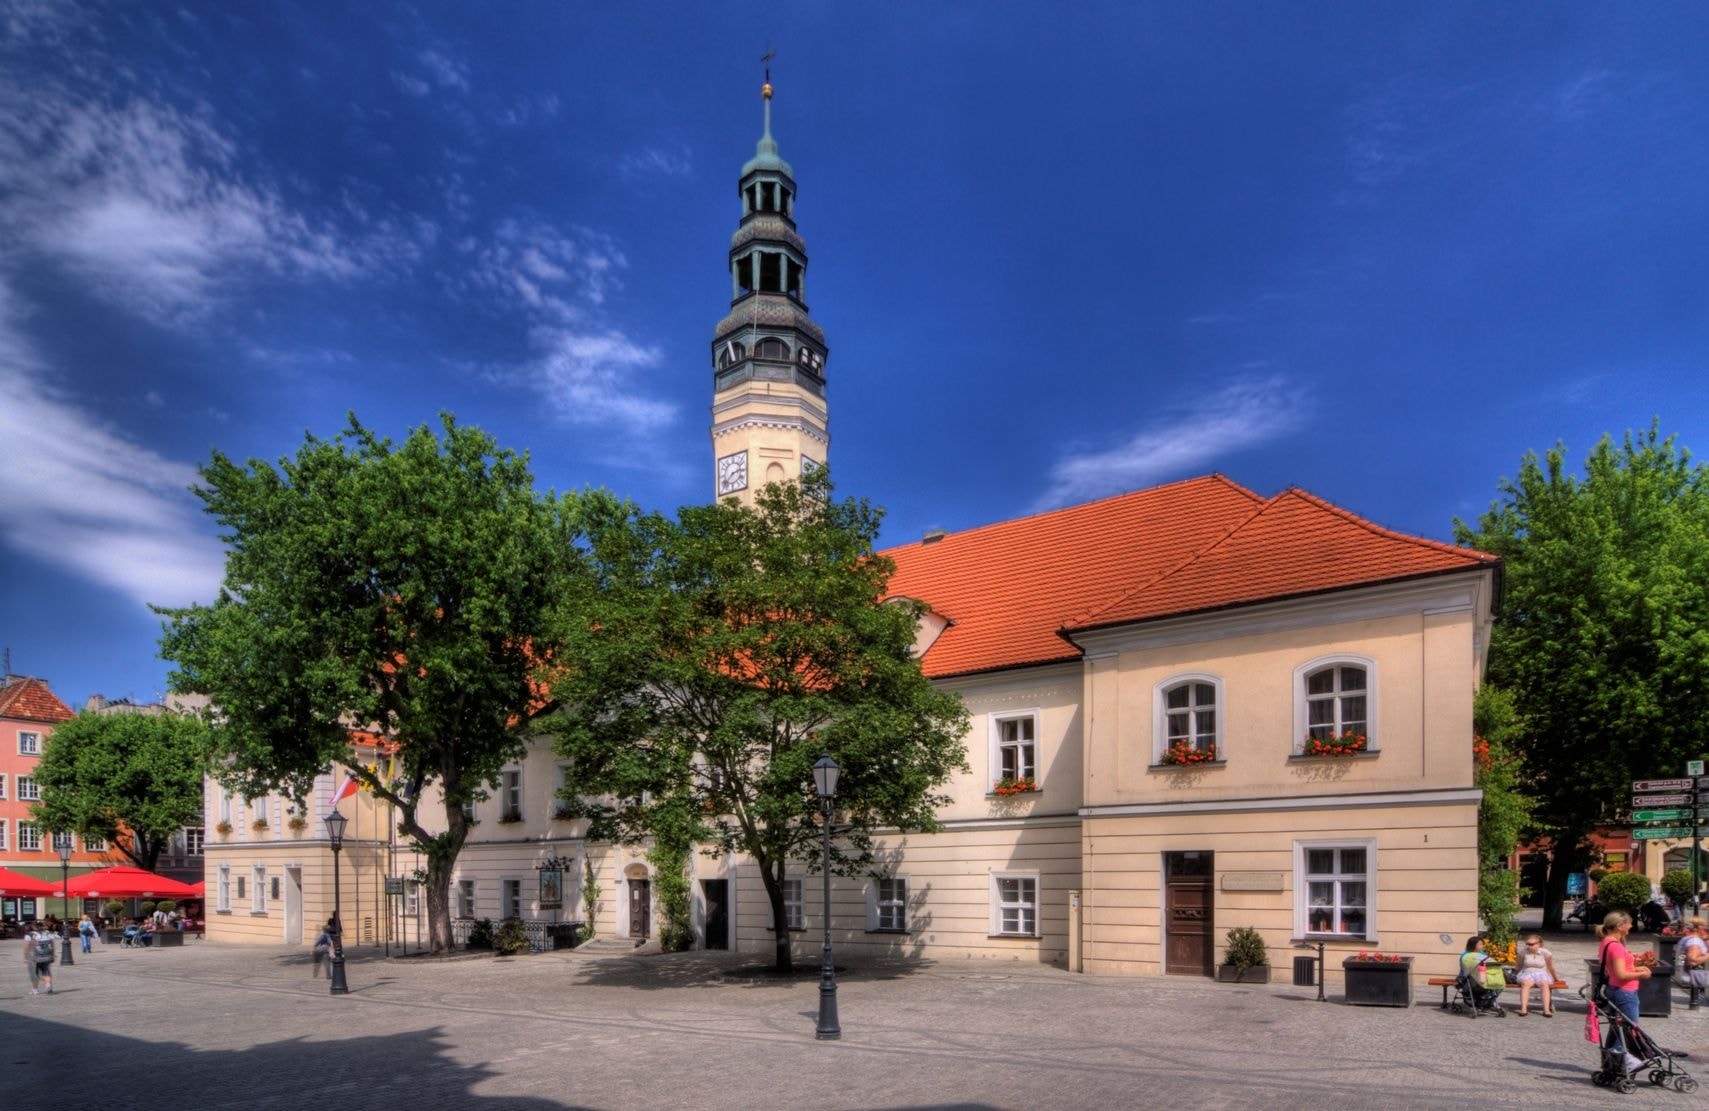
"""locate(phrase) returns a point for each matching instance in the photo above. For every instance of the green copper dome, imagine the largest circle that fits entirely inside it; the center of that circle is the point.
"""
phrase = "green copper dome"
(765, 151)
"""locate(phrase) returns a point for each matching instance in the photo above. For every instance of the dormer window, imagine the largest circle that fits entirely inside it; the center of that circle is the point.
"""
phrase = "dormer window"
(731, 354)
(811, 359)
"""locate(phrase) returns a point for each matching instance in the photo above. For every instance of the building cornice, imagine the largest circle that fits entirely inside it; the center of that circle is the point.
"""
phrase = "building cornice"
(1435, 796)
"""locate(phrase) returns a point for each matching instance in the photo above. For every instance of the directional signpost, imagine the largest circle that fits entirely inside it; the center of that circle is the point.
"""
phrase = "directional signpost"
(1674, 801)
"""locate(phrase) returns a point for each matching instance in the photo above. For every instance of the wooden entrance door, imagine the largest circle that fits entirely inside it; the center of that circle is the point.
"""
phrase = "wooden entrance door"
(640, 908)
(1188, 914)
(716, 896)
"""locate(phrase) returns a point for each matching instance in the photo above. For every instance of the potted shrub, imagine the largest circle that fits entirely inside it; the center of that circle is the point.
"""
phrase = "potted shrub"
(1378, 979)
(112, 911)
(222, 827)
(510, 938)
(1335, 744)
(1245, 961)
(1183, 753)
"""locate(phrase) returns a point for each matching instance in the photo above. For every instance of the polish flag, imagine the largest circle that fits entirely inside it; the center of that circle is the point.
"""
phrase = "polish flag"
(345, 790)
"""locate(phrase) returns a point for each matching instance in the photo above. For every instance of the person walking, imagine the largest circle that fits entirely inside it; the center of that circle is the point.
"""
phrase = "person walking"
(38, 955)
(322, 947)
(1536, 969)
(86, 931)
(1620, 971)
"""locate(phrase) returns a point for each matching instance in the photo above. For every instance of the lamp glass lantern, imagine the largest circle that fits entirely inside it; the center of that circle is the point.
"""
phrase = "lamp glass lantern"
(825, 775)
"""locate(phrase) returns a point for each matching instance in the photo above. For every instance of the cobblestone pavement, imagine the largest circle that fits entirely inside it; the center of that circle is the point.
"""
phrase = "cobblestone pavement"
(237, 1026)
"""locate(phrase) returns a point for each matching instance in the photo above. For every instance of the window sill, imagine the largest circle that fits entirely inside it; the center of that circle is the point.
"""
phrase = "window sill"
(792, 929)
(1302, 758)
(993, 795)
(258, 914)
(1188, 767)
(222, 912)
(1351, 939)
(886, 930)
(1012, 937)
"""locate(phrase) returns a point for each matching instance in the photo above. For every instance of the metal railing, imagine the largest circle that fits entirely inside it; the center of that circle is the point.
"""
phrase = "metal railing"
(542, 936)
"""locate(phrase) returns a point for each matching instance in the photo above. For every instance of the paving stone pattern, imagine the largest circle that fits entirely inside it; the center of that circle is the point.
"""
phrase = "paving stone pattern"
(213, 1026)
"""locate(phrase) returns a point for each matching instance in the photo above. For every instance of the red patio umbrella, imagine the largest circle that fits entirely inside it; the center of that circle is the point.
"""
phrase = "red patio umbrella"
(122, 881)
(14, 885)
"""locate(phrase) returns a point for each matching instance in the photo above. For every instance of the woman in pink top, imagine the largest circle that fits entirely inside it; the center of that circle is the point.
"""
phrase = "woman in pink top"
(1619, 969)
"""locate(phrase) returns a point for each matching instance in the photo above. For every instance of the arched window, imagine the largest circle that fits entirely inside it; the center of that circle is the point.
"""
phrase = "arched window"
(731, 354)
(770, 348)
(1335, 705)
(1186, 719)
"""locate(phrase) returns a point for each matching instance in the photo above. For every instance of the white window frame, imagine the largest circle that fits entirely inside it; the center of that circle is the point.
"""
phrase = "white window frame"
(559, 802)
(1302, 886)
(28, 789)
(29, 837)
(225, 806)
(2, 834)
(62, 838)
(258, 889)
(1021, 905)
(195, 838)
(794, 903)
(222, 890)
(32, 747)
(509, 897)
(995, 745)
(1160, 712)
(1302, 713)
(94, 844)
(412, 899)
(896, 906)
(465, 898)
(510, 794)
(2, 786)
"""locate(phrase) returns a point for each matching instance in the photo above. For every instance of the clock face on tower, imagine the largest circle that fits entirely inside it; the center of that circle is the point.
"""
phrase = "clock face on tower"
(732, 473)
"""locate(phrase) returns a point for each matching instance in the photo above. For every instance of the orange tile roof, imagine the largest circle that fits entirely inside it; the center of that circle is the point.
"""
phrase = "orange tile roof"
(1011, 589)
(26, 699)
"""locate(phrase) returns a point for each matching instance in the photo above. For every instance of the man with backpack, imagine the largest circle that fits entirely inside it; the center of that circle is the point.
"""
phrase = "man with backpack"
(38, 956)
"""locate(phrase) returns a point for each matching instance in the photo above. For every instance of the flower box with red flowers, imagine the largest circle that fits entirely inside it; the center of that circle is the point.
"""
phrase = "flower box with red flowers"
(1335, 744)
(1184, 753)
(1014, 785)
(1378, 980)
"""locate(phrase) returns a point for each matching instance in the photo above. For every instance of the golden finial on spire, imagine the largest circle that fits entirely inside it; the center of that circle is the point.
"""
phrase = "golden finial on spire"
(765, 89)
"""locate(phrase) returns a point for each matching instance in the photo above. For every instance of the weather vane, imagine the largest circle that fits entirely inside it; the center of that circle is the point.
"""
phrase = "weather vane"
(766, 58)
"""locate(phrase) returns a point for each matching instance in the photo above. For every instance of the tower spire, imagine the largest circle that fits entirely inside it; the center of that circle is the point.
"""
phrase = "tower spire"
(770, 421)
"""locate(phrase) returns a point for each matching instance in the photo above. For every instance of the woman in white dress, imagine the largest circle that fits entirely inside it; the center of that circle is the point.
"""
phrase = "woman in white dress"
(1536, 969)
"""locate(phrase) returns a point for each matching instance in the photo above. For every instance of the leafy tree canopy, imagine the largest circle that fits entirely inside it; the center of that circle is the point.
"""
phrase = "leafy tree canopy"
(726, 652)
(409, 590)
(1602, 633)
(133, 780)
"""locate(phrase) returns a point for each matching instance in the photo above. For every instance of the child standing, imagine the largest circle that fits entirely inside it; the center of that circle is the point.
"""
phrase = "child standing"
(1536, 969)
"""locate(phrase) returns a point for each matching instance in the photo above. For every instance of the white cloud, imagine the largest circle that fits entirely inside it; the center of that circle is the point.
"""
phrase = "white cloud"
(1179, 442)
(449, 73)
(147, 204)
(590, 379)
(414, 86)
(657, 162)
(81, 496)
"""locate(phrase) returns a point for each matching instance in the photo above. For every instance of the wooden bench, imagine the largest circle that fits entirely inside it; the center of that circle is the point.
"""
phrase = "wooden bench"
(1446, 983)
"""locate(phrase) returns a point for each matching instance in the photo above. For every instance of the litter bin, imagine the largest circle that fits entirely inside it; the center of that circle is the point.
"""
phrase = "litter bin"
(1305, 972)
(1655, 994)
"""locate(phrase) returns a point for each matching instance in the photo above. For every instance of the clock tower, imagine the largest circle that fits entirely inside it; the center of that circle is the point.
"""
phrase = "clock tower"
(770, 422)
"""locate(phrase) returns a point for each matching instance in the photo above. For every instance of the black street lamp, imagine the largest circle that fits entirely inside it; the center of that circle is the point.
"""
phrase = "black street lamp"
(825, 774)
(335, 823)
(65, 893)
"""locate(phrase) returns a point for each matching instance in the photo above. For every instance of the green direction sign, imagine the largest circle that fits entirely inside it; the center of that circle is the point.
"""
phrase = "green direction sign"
(1660, 815)
(1661, 833)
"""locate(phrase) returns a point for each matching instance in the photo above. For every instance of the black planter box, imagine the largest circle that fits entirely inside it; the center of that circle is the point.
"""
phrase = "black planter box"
(1378, 983)
(1228, 974)
(168, 937)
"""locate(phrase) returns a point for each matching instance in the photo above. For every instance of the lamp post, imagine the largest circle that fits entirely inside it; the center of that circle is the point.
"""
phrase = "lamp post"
(335, 823)
(65, 893)
(825, 774)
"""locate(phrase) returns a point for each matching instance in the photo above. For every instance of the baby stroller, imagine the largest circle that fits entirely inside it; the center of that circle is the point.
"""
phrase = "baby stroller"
(1475, 999)
(1622, 1036)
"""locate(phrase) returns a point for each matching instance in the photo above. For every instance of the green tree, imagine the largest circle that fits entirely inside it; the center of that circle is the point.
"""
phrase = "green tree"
(729, 649)
(132, 780)
(1602, 630)
(1502, 814)
(408, 590)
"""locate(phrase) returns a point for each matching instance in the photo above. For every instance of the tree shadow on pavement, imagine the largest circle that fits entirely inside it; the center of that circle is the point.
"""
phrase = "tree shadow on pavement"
(727, 970)
(413, 1068)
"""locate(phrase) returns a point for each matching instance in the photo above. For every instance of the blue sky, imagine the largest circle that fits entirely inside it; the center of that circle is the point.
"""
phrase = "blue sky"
(1375, 250)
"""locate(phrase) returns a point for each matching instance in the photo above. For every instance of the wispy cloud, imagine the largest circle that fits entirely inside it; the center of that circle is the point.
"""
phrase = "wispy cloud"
(446, 71)
(148, 205)
(412, 86)
(1180, 441)
(658, 162)
(80, 495)
(1585, 93)
(558, 280)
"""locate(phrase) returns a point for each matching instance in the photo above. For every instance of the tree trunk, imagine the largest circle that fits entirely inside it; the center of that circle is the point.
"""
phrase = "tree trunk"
(1564, 857)
(441, 853)
(785, 960)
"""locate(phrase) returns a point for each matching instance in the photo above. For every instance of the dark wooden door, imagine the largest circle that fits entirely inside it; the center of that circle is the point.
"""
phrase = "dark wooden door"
(1188, 914)
(640, 908)
(716, 895)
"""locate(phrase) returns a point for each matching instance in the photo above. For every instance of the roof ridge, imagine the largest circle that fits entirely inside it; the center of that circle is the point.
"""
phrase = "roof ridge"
(1086, 616)
(1472, 554)
(1211, 476)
